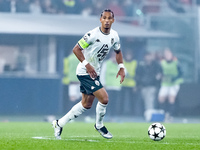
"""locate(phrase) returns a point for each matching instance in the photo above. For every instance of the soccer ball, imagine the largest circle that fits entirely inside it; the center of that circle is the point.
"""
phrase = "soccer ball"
(157, 131)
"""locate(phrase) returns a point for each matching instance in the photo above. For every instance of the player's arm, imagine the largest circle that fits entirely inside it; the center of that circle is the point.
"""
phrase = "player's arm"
(78, 52)
(119, 59)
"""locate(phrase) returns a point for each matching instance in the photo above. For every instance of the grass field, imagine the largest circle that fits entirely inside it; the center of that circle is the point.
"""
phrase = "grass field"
(82, 136)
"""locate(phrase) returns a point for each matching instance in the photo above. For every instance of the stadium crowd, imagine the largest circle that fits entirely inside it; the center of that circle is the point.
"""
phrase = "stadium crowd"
(129, 8)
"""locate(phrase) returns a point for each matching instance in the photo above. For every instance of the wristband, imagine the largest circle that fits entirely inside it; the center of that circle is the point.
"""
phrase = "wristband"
(85, 62)
(121, 65)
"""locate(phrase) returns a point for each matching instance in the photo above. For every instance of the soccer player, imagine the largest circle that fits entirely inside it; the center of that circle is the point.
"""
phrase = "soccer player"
(170, 84)
(91, 51)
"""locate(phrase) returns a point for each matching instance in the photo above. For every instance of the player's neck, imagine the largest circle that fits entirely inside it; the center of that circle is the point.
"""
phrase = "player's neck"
(105, 30)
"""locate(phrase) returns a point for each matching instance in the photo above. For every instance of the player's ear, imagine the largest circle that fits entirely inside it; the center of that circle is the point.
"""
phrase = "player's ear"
(100, 19)
(113, 20)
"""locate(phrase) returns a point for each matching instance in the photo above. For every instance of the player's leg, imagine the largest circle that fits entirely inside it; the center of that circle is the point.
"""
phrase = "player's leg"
(87, 100)
(76, 111)
(58, 125)
(162, 96)
(172, 98)
(102, 97)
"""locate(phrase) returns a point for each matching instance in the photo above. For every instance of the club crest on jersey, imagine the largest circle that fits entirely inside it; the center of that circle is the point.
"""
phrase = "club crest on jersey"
(97, 82)
(112, 41)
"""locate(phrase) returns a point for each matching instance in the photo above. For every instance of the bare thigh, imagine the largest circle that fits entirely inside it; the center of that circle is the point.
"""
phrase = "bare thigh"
(87, 100)
(101, 95)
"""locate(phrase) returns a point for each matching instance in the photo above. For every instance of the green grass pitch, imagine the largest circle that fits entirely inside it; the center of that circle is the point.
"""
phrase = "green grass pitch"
(82, 136)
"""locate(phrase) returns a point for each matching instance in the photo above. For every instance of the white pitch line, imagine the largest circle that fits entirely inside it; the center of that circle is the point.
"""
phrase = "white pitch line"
(42, 138)
(71, 138)
(52, 138)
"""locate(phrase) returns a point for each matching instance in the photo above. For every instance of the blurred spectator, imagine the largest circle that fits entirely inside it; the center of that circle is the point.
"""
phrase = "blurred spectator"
(48, 7)
(59, 6)
(151, 6)
(86, 11)
(198, 2)
(22, 6)
(137, 6)
(70, 6)
(176, 6)
(98, 6)
(127, 6)
(35, 7)
(5, 5)
(129, 95)
(112, 85)
(21, 63)
(2, 65)
(116, 8)
(84, 7)
(70, 78)
(148, 75)
(170, 84)
(187, 2)
(7, 68)
(187, 5)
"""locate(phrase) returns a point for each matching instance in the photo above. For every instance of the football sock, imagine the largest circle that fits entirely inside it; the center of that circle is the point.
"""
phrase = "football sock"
(100, 112)
(76, 111)
(162, 106)
(171, 109)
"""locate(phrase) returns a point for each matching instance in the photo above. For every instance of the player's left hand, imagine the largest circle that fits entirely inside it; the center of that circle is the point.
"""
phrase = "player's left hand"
(121, 72)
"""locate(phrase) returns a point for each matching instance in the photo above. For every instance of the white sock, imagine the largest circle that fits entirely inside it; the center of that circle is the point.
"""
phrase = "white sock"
(76, 111)
(100, 112)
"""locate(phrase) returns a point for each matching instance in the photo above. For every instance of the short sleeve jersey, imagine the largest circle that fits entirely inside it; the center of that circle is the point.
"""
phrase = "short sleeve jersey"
(96, 45)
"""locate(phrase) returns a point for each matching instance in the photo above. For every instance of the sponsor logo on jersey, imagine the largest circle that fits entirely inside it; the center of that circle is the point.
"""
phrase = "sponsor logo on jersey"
(101, 54)
(97, 40)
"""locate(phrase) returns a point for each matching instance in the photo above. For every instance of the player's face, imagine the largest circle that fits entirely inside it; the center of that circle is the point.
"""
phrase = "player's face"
(168, 55)
(106, 20)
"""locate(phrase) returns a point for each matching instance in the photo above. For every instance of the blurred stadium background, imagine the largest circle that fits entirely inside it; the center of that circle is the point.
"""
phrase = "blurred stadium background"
(36, 36)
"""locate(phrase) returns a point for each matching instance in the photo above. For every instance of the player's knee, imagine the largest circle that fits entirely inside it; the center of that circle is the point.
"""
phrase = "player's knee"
(172, 101)
(161, 99)
(104, 100)
(87, 105)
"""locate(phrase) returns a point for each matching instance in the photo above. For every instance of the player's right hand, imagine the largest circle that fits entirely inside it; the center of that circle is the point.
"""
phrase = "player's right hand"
(91, 71)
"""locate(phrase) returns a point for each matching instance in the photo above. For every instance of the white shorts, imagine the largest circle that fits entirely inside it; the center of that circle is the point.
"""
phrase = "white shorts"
(169, 90)
(74, 91)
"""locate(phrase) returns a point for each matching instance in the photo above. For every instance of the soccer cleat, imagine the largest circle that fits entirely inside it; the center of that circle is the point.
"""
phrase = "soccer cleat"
(104, 132)
(57, 129)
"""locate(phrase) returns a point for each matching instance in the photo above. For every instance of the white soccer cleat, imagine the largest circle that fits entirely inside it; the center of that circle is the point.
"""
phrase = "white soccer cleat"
(104, 132)
(57, 129)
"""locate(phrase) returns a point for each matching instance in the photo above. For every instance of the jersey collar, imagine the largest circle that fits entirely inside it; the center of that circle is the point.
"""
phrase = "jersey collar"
(103, 32)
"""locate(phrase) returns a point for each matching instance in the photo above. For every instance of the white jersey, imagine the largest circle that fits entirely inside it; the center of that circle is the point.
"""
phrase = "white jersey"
(96, 45)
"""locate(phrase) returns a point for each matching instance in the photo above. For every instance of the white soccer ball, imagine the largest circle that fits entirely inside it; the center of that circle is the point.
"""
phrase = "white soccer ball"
(157, 131)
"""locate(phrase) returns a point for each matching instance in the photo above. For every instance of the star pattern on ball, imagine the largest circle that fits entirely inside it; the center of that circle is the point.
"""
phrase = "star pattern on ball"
(154, 126)
(156, 131)
(156, 135)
